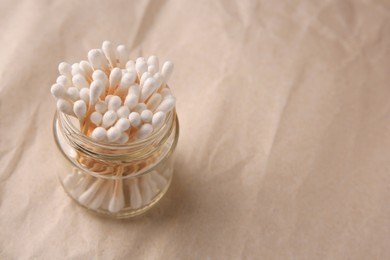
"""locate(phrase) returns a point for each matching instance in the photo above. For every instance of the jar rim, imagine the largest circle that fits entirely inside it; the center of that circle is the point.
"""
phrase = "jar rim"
(88, 140)
(113, 177)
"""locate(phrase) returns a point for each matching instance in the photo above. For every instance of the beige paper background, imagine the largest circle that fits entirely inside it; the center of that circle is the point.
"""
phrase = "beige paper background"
(285, 131)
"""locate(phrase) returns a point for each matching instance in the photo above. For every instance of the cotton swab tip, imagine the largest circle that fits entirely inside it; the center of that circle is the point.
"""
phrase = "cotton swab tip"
(80, 108)
(99, 134)
(113, 134)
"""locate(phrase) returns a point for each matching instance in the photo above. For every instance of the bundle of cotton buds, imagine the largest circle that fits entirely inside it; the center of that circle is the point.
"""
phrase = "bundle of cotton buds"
(116, 99)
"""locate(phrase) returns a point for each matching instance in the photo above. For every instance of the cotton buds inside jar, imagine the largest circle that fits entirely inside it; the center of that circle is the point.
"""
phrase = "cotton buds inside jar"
(116, 124)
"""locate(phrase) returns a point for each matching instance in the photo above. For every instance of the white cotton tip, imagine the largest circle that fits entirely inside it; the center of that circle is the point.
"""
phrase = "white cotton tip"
(87, 196)
(132, 73)
(109, 118)
(107, 198)
(152, 69)
(96, 118)
(117, 201)
(166, 105)
(154, 101)
(167, 70)
(165, 92)
(135, 90)
(101, 107)
(58, 91)
(84, 95)
(79, 109)
(141, 67)
(158, 119)
(144, 131)
(99, 134)
(109, 50)
(144, 77)
(123, 112)
(159, 79)
(96, 90)
(153, 61)
(149, 87)
(135, 194)
(64, 106)
(113, 134)
(140, 59)
(123, 124)
(125, 83)
(84, 183)
(115, 78)
(73, 93)
(76, 69)
(79, 81)
(123, 139)
(107, 98)
(86, 68)
(131, 101)
(65, 69)
(114, 103)
(140, 107)
(71, 180)
(99, 197)
(63, 80)
(100, 75)
(159, 180)
(130, 65)
(146, 190)
(146, 116)
(97, 59)
(135, 119)
(122, 55)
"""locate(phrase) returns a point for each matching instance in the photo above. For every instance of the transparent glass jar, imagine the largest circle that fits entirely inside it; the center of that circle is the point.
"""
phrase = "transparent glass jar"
(116, 180)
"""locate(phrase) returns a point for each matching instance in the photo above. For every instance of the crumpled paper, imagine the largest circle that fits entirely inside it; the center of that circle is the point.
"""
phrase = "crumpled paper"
(284, 143)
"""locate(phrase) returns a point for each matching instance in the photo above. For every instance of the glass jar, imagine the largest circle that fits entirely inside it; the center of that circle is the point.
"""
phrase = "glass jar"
(116, 180)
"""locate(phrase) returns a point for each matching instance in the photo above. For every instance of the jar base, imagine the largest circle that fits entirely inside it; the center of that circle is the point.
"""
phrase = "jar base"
(125, 213)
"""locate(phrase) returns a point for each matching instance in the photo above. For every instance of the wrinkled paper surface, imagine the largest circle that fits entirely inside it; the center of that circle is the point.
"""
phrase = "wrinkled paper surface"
(284, 149)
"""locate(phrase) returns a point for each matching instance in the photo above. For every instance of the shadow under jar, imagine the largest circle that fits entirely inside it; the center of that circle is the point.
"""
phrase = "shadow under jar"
(116, 180)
